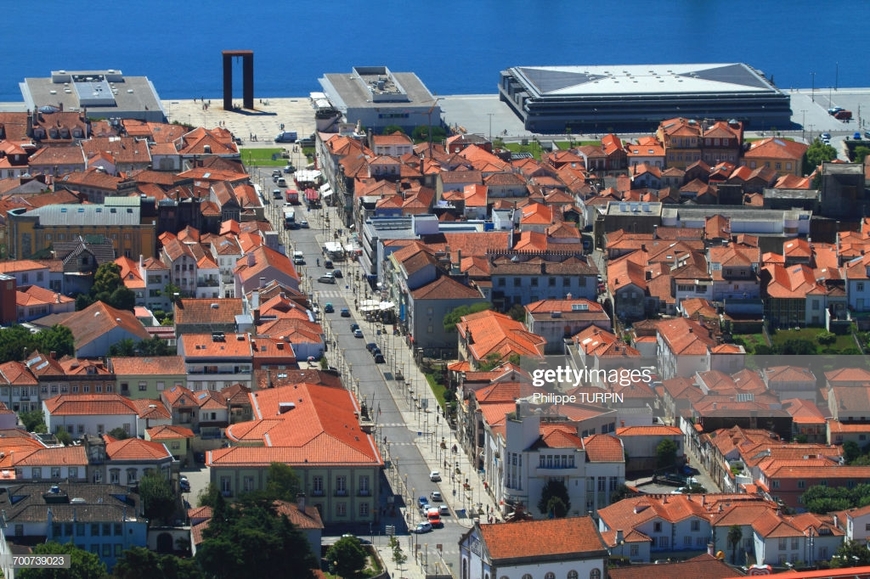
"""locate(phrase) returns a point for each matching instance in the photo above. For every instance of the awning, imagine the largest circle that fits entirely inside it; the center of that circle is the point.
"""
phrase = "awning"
(387, 305)
(325, 187)
(328, 193)
(311, 194)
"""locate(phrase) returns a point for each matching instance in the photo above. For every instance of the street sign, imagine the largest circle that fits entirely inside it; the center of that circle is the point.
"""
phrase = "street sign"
(391, 530)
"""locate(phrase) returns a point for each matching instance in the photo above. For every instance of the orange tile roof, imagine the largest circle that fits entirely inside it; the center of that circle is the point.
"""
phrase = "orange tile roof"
(136, 449)
(169, 432)
(653, 430)
(566, 538)
(89, 404)
(604, 448)
(55, 456)
(198, 346)
(147, 365)
(495, 333)
(98, 319)
(705, 566)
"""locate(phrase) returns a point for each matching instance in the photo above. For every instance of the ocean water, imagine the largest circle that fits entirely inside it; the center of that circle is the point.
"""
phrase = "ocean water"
(455, 47)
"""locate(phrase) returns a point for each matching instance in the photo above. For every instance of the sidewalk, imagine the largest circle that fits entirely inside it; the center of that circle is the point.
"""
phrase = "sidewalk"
(468, 501)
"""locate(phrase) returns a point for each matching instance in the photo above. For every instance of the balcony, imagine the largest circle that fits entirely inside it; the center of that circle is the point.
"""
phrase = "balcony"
(227, 493)
(317, 493)
(364, 493)
(341, 493)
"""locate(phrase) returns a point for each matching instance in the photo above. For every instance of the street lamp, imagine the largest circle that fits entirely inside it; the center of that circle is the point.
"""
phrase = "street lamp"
(813, 89)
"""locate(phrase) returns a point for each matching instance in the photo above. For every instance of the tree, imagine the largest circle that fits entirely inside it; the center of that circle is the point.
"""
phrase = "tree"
(797, 347)
(83, 564)
(399, 558)
(390, 129)
(735, 535)
(851, 451)
(208, 496)
(108, 288)
(141, 563)
(452, 318)
(13, 341)
(816, 154)
(157, 497)
(517, 313)
(557, 508)
(124, 348)
(154, 346)
(861, 151)
(621, 492)
(63, 437)
(666, 453)
(58, 339)
(173, 292)
(850, 554)
(282, 482)
(346, 557)
(33, 421)
(119, 433)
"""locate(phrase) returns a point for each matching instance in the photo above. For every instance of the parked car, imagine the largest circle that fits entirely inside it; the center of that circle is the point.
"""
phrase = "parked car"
(357, 333)
(286, 137)
(298, 261)
(834, 110)
(435, 476)
(326, 278)
(825, 136)
(289, 169)
(354, 327)
(421, 501)
(337, 273)
(345, 313)
(328, 264)
(379, 359)
(184, 484)
(328, 308)
(423, 528)
(371, 346)
(671, 479)
(303, 224)
(843, 115)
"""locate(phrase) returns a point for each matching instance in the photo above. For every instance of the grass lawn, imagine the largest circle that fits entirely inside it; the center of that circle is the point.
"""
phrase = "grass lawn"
(533, 148)
(811, 334)
(437, 389)
(262, 157)
(751, 341)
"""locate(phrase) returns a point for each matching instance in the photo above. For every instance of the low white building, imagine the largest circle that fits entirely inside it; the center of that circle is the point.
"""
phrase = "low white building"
(569, 548)
(81, 414)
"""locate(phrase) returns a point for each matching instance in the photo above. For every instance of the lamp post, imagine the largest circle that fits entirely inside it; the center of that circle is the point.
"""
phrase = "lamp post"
(490, 125)
(803, 123)
(813, 89)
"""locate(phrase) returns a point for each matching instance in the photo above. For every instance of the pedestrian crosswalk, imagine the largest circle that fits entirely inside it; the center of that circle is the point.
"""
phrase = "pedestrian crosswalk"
(330, 294)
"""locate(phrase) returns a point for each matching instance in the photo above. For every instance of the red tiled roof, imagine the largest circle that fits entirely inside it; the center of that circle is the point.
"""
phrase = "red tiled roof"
(169, 432)
(89, 404)
(570, 537)
(604, 448)
(136, 449)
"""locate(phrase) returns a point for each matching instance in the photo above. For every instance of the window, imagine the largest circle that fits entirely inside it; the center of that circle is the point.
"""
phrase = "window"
(364, 509)
(364, 486)
(550, 575)
(80, 529)
(107, 550)
(794, 543)
(107, 529)
(161, 386)
(317, 486)
(551, 282)
(696, 526)
(534, 282)
(664, 542)
(516, 282)
(341, 509)
(860, 286)
(95, 530)
(572, 574)
(248, 484)
(68, 529)
(119, 548)
(36, 473)
(115, 476)
(341, 485)
(143, 386)
(634, 550)
(132, 475)
(687, 541)
(595, 574)
(95, 549)
(55, 472)
(801, 484)
(657, 527)
(501, 282)
(783, 544)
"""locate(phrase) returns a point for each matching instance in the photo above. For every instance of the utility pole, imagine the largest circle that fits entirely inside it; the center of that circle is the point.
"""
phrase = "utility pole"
(813, 90)
(837, 77)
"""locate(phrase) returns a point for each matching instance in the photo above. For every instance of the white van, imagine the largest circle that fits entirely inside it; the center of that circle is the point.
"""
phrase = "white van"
(282, 182)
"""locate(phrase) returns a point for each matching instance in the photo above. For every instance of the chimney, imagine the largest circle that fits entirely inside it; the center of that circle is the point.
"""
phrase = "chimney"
(251, 259)
(703, 499)
(300, 502)
(711, 549)
(52, 355)
(262, 281)
(141, 261)
(836, 521)
(619, 538)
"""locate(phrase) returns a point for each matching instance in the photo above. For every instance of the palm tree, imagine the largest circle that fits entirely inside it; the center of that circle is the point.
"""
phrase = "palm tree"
(735, 535)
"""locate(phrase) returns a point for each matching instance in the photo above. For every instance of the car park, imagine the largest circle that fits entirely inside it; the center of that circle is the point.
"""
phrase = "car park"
(435, 476)
(345, 313)
(326, 278)
(328, 308)
(357, 333)
(423, 528)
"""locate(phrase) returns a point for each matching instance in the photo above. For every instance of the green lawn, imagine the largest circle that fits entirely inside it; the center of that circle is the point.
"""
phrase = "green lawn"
(438, 390)
(750, 341)
(811, 334)
(262, 157)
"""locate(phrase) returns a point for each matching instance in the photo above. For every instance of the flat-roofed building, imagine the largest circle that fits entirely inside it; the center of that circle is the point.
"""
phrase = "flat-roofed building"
(551, 99)
(102, 93)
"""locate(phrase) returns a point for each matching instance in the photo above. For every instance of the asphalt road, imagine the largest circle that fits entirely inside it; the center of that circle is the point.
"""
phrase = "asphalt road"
(350, 356)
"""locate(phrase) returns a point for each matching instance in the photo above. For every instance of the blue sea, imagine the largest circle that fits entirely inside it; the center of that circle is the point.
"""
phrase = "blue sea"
(455, 47)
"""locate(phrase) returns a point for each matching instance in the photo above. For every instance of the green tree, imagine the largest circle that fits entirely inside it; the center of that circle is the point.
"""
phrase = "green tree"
(83, 564)
(108, 288)
(851, 451)
(346, 557)
(58, 339)
(452, 318)
(666, 453)
(735, 535)
(420, 134)
(63, 437)
(119, 433)
(124, 348)
(621, 492)
(33, 421)
(282, 482)
(14, 340)
(173, 292)
(797, 347)
(399, 558)
(861, 151)
(390, 129)
(560, 506)
(157, 497)
(850, 554)
(517, 313)
(154, 346)
(816, 154)
(208, 496)
(141, 563)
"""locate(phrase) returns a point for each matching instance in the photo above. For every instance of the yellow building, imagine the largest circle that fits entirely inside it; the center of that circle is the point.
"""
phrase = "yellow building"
(147, 377)
(118, 219)
(316, 430)
(782, 155)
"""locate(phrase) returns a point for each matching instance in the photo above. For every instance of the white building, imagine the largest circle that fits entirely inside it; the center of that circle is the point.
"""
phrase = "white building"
(569, 548)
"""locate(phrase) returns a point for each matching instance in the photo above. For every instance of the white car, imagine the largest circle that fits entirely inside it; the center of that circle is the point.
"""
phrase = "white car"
(435, 476)
(435, 496)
